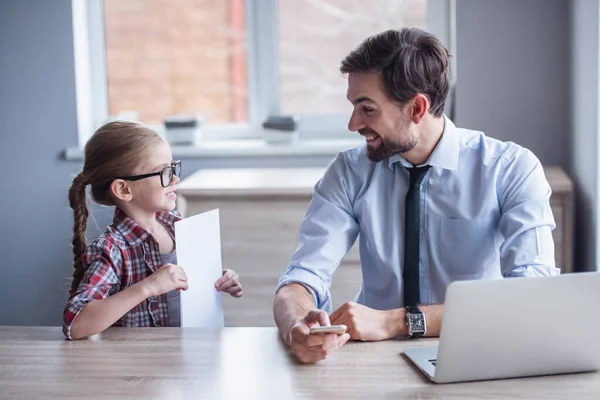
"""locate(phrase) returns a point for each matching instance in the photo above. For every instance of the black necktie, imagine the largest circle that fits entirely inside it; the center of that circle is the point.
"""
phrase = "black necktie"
(412, 234)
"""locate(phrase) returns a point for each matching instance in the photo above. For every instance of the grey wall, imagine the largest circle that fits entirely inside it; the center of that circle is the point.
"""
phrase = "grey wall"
(37, 120)
(513, 73)
(511, 87)
(585, 127)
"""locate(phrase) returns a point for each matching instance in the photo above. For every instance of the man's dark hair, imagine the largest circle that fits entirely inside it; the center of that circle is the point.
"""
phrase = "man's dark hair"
(410, 61)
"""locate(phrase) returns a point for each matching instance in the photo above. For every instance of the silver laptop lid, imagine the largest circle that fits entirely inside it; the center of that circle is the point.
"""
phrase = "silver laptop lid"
(520, 327)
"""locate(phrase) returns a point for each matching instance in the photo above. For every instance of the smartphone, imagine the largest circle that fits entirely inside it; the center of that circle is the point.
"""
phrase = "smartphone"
(337, 329)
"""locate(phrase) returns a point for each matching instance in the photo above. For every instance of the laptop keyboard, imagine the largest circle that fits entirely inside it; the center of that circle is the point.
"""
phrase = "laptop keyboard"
(433, 361)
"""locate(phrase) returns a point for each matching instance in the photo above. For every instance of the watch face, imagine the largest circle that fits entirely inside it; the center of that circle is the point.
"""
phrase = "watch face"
(416, 322)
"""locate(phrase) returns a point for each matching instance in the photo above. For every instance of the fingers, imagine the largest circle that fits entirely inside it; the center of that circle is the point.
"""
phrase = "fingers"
(312, 348)
(343, 339)
(178, 276)
(181, 276)
(341, 310)
(340, 319)
(233, 288)
(350, 322)
(337, 320)
(315, 317)
(228, 275)
(229, 283)
(336, 314)
(223, 287)
(173, 269)
(347, 319)
(344, 316)
(326, 341)
(235, 291)
(311, 354)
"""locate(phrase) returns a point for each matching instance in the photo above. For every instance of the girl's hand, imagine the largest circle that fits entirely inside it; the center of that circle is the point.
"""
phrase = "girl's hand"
(229, 283)
(166, 278)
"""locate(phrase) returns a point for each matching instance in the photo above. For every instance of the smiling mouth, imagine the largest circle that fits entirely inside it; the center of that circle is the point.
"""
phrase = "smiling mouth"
(371, 138)
(369, 135)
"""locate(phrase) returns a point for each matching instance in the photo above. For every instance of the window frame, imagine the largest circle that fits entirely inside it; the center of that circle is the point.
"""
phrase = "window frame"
(262, 72)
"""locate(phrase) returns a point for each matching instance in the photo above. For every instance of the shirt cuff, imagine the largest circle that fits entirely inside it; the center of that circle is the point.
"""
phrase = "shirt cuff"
(71, 314)
(315, 285)
(525, 271)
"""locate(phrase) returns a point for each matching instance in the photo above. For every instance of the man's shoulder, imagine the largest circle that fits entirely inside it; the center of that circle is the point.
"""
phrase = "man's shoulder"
(352, 165)
(492, 149)
(353, 156)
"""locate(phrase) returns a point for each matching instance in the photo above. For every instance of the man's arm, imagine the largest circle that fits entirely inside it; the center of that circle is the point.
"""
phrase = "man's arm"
(292, 303)
(327, 232)
(367, 324)
(527, 221)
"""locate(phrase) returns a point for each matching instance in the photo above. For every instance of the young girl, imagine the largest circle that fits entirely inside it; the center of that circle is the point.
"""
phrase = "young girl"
(128, 276)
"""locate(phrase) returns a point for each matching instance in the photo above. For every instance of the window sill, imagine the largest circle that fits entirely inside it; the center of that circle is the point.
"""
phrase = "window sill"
(247, 148)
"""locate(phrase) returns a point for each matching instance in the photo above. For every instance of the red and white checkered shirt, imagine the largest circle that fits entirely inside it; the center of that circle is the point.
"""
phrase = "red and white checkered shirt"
(122, 256)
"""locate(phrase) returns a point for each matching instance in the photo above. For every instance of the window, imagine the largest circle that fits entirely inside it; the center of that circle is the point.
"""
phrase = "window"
(166, 57)
(315, 35)
(233, 62)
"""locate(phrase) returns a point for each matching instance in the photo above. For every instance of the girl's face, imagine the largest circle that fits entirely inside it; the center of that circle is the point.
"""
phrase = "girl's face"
(149, 194)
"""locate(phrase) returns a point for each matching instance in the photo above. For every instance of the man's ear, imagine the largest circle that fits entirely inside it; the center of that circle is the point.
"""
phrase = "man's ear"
(121, 190)
(419, 107)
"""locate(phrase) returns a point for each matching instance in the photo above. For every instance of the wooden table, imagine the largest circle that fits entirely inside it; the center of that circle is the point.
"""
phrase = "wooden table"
(235, 363)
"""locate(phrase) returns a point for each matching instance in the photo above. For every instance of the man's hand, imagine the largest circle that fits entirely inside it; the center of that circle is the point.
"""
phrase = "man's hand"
(365, 323)
(312, 348)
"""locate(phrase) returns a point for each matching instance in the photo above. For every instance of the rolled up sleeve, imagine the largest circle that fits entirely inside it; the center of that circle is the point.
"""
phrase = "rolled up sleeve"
(102, 263)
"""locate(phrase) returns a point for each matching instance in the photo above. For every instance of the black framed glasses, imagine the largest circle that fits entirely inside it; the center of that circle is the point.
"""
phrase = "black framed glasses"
(166, 174)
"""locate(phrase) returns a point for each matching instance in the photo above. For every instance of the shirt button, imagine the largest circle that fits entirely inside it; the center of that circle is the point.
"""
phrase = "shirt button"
(147, 258)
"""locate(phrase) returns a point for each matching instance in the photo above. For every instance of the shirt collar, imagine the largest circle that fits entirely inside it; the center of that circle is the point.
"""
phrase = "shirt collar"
(445, 154)
(132, 232)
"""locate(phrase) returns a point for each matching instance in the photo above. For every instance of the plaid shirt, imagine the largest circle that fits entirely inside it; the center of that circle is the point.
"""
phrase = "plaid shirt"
(122, 256)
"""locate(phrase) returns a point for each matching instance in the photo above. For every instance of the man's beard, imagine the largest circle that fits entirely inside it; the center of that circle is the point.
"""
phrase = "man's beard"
(389, 148)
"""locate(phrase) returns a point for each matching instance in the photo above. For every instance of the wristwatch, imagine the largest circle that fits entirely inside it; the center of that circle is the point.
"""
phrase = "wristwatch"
(415, 320)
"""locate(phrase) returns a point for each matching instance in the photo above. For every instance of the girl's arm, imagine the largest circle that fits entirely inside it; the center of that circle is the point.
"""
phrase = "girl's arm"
(99, 301)
(98, 315)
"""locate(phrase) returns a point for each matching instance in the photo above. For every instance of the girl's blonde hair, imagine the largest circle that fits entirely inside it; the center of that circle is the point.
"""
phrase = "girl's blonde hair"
(115, 149)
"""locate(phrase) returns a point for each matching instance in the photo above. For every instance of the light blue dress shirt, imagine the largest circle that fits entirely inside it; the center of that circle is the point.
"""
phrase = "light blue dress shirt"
(485, 214)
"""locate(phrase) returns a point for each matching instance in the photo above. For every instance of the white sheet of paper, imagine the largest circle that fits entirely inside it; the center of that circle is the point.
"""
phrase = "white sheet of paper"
(198, 241)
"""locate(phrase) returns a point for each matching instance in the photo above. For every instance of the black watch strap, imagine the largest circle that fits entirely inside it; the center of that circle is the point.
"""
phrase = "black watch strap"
(416, 335)
(413, 310)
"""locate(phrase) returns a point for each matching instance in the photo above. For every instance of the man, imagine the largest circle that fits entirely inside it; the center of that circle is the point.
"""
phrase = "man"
(432, 203)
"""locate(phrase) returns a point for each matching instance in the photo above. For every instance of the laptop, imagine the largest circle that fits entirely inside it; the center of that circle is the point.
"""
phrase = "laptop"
(516, 327)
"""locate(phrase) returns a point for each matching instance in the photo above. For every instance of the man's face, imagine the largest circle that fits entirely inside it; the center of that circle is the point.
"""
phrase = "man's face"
(384, 123)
